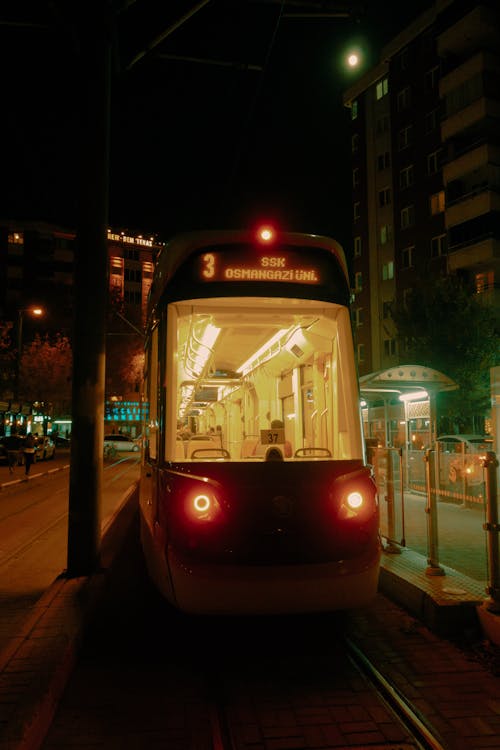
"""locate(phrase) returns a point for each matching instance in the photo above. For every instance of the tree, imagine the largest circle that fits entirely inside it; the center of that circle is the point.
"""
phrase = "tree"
(124, 365)
(7, 359)
(45, 372)
(444, 325)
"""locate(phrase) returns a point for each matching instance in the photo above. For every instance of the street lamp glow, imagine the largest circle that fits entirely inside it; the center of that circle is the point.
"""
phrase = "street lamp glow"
(353, 59)
(37, 312)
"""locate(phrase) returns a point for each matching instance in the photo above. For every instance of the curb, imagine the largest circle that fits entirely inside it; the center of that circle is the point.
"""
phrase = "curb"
(5, 485)
(35, 666)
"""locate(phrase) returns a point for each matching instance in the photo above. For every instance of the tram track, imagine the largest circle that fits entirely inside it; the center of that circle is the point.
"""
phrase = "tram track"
(420, 730)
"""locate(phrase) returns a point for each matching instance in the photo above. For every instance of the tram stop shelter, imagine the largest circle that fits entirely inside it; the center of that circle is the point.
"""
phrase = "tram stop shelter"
(402, 397)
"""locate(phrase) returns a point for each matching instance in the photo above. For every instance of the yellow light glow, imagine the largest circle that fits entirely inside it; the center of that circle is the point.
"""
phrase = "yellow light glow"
(252, 361)
(266, 234)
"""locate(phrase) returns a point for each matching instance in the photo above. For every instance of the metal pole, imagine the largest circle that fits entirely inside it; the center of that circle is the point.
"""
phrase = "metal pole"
(433, 566)
(389, 498)
(492, 528)
(91, 288)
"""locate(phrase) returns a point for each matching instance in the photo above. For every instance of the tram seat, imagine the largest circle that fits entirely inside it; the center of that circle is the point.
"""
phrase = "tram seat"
(312, 452)
(249, 445)
(274, 453)
(201, 441)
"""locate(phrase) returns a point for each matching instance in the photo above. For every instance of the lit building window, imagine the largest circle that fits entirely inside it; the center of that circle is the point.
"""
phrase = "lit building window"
(388, 271)
(15, 238)
(358, 281)
(437, 202)
(354, 110)
(385, 234)
(484, 281)
(357, 247)
(382, 88)
(361, 352)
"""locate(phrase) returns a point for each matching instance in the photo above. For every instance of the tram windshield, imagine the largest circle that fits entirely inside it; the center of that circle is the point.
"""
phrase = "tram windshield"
(248, 376)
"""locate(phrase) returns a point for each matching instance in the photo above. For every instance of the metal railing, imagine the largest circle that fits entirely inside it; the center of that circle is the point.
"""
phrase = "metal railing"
(423, 508)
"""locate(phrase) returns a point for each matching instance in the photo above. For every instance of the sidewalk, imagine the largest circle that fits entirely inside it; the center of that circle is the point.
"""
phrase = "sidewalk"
(36, 665)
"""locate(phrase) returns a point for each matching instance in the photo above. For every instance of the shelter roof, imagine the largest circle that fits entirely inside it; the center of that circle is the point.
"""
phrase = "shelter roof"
(404, 379)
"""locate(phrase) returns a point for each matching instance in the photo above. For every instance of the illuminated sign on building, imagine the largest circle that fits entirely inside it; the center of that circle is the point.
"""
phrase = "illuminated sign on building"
(129, 240)
(125, 411)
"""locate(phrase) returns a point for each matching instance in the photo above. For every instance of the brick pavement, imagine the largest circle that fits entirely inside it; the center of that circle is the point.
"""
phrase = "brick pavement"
(460, 694)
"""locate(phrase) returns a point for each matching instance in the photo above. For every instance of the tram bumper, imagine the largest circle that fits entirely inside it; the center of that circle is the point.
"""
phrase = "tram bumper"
(204, 588)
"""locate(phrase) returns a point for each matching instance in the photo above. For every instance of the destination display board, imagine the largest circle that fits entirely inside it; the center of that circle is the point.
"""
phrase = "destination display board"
(281, 264)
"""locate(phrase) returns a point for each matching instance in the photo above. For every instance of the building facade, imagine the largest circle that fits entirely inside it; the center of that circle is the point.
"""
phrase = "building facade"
(425, 138)
(37, 269)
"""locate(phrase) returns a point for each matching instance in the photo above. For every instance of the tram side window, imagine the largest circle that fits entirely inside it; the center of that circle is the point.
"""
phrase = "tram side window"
(152, 429)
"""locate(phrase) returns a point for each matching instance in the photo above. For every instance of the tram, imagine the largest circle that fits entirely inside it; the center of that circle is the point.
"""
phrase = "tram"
(255, 496)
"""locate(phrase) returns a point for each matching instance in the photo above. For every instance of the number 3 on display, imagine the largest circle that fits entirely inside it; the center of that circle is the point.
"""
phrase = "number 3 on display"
(208, 270)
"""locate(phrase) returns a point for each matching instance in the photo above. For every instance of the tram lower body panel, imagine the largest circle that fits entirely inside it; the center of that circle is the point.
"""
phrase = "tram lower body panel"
(250, 538)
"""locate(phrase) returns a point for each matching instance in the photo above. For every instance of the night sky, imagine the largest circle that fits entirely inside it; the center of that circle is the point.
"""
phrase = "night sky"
(192, 145)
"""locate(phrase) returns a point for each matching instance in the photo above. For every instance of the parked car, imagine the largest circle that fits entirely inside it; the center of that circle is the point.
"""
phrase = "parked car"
(44, 448)
(461, 459)
(62, 442)
(122, 442)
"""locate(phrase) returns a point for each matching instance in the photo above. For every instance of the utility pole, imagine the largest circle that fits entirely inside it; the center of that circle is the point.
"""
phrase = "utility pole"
(93, 31)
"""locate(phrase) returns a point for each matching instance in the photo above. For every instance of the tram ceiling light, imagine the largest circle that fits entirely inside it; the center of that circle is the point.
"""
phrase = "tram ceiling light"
(414, 396)
(252, 362)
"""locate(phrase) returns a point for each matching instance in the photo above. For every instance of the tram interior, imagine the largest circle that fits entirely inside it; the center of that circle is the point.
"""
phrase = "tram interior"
(254, 379)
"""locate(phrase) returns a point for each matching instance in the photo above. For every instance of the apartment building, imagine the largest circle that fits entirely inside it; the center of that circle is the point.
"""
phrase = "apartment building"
(425, 139)
(37, 268)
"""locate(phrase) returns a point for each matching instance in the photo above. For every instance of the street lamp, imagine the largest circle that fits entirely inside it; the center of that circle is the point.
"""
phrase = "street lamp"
(37, 312)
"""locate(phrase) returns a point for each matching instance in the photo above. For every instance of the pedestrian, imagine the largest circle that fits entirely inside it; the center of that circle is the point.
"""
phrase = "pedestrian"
(29, 452)
(12, 444)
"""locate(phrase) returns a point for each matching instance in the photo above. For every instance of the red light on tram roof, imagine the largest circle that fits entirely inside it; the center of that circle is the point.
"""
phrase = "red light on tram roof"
(265, 234)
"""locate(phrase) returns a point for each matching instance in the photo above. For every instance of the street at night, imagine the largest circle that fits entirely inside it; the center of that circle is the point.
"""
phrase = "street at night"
(250, 375)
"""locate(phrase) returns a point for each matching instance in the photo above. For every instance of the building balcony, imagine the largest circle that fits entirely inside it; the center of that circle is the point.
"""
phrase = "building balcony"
(475, 112)
(480, 25)
(475, 254)
(469, 161)
(477, 203)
